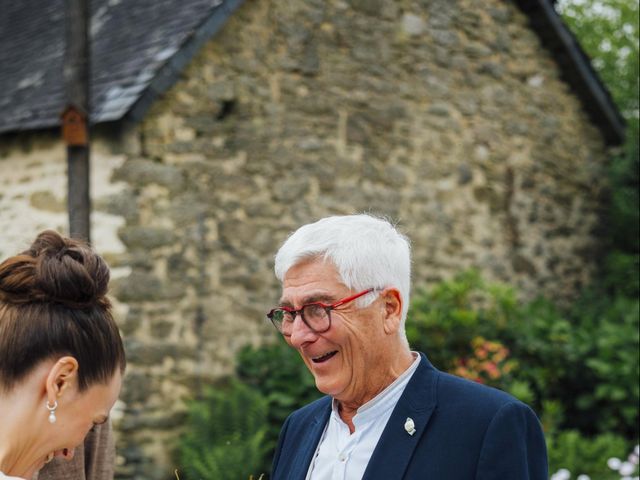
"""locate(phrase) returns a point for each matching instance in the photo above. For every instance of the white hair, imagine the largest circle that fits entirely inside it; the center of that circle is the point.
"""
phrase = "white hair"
(367, 251)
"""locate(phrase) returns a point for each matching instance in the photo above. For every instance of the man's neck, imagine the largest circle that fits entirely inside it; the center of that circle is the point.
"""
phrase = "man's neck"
(348, 409)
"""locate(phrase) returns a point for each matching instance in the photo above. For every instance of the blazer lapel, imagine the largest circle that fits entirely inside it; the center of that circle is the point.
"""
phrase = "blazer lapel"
(308, 444)
(396, 446)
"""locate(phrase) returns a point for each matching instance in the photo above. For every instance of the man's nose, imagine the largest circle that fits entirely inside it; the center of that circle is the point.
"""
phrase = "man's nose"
(300, 332)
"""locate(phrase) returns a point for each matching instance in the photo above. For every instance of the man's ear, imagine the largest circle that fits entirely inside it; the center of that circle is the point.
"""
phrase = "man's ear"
(62, 375)
(392, 309)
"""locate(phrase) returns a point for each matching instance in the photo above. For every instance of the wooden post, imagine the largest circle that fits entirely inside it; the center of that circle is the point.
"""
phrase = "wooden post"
(75, 118)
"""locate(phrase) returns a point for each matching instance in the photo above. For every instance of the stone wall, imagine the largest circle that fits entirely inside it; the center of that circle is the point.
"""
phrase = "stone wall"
(33, 192)
(448, 116)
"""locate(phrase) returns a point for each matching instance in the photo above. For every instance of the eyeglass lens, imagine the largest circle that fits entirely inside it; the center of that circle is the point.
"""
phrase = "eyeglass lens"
(315, 316)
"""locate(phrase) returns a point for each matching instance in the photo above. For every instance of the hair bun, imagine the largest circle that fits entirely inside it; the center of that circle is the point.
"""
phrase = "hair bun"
(57, 269)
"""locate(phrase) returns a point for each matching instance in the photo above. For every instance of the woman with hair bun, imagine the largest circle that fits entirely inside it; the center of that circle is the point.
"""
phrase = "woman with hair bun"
(61, 355)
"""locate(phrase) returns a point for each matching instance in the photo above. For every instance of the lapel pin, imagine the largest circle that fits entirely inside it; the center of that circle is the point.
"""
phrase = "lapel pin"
(409, 426)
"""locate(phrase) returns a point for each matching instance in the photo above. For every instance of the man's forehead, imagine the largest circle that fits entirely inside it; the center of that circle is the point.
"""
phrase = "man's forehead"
(302, 297)
(314, 279)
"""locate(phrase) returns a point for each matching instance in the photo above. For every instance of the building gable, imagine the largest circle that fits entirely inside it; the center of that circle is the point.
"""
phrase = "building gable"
(140, 48)
(135, 46)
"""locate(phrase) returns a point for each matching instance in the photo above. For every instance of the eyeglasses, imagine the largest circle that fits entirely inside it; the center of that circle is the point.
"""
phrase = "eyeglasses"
(316, 315)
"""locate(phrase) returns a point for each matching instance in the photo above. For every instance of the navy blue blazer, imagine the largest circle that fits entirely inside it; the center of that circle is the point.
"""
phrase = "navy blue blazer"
(464, 431)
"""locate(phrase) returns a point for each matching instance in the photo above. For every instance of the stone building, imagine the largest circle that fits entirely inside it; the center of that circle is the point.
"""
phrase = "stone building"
(219, 127)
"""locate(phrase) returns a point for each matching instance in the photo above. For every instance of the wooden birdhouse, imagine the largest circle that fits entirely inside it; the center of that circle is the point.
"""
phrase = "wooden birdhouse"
(74, 127)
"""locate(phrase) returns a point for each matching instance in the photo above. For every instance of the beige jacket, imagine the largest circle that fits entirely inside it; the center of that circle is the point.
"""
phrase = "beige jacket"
(92, 461)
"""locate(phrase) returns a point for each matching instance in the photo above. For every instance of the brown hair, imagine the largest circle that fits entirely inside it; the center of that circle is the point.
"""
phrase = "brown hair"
(53, 302)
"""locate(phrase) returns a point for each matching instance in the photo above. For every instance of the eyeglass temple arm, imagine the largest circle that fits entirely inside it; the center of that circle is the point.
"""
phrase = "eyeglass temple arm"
(352, 297)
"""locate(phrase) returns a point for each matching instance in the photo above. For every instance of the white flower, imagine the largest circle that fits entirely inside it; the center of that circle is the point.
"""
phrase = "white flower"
(627, 468)
(562, 474)
(583, 477)
(614, 463)
(636, 450)
(633, 458)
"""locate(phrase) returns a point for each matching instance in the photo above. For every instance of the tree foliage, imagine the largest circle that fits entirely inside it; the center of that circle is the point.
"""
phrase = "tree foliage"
(608, 32)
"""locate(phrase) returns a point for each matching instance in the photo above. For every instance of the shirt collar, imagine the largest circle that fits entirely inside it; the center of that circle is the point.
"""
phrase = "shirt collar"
(386, 399)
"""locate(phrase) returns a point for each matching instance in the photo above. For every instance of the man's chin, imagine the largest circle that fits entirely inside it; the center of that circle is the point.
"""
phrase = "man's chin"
(327, 387)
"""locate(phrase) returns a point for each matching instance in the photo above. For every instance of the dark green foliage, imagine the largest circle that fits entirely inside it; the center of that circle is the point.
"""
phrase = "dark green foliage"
(621, 267)
(585, 359)
(580, 455)
(607, 341)
(578, 368)
(225, 439)
(445, 319)
(284, 382)
(608, 32)
(625, 179)
(232, 432)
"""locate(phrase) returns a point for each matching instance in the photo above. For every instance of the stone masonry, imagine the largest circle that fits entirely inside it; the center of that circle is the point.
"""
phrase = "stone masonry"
(445, 115)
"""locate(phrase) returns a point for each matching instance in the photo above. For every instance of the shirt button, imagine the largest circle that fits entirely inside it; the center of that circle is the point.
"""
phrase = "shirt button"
(342, 457)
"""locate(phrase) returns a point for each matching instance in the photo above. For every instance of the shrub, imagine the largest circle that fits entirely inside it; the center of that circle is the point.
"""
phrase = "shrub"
(225, 438)
(277, 372)
(585, 456)
(443, 320)
(607, 342)
(583, 360)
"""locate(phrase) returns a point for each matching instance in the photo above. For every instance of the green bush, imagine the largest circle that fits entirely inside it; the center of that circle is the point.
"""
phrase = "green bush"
(232, 432)
(443, 320)
(607, 344)
(588, 456)
(584, 359)
(278, 373)
(225, 438)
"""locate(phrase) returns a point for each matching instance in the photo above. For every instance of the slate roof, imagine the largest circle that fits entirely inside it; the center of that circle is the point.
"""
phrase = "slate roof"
(142, 45)
(576, 68)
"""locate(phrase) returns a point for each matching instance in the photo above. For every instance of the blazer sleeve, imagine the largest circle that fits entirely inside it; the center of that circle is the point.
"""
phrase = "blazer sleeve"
(513, 446)
(276, 456)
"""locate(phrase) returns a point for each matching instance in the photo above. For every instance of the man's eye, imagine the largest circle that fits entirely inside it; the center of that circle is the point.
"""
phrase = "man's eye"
(314, 310)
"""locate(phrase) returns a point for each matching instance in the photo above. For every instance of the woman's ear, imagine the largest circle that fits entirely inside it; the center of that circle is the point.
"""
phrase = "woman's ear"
(62, 375)
(392, 310)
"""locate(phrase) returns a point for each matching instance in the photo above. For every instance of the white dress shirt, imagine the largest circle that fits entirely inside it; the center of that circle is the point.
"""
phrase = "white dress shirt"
(342, 455)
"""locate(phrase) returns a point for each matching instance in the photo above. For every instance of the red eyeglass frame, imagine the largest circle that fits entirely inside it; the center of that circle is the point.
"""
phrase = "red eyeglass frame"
(328, 308)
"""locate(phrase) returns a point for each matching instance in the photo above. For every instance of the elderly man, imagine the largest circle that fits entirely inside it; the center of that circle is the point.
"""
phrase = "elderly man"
(388, 413)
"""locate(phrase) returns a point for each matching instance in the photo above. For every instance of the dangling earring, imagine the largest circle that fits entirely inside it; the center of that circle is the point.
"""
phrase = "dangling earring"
(52, 411)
